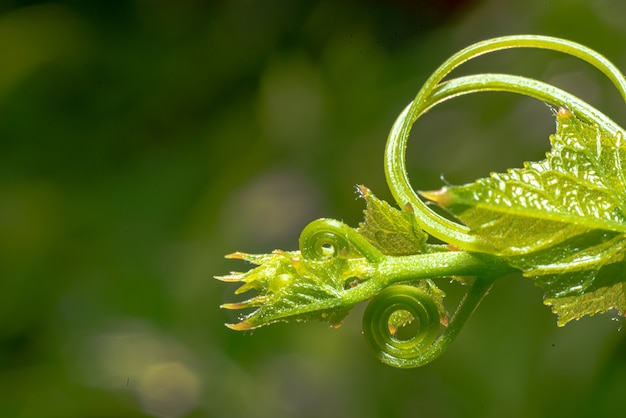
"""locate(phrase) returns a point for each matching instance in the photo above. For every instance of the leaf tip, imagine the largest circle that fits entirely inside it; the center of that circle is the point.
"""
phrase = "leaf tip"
(296, 262)
(235, 256)
(441, 197)
(364, 192)
(230, 278)
(232, 306)
(563, 113)
(240, 326)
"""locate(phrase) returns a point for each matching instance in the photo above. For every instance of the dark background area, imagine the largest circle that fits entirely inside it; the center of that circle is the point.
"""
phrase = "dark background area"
(140, 141)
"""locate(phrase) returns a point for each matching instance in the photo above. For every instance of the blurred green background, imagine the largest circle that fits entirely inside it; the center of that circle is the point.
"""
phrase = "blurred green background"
(140, 141)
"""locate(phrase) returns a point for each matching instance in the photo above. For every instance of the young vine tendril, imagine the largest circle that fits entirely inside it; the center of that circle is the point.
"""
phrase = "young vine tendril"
(564, 218)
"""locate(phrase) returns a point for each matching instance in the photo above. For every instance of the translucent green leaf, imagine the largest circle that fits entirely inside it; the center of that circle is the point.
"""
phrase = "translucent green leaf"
(390, 230)
(562, 221)
(591, 303)
(291, 288)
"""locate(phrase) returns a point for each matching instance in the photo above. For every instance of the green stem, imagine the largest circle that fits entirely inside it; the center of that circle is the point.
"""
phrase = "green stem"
(424, 266)
(525, 86)
(401, 269)
(468, 305)
(441, 264)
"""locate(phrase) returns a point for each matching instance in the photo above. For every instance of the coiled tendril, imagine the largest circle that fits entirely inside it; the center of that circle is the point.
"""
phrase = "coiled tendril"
(326, 238)
(396, 307)
(436, 91)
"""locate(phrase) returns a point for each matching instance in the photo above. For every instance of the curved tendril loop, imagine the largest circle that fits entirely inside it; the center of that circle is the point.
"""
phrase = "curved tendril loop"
(435, 91)
(407, 303)
(432, 339)
(326, 238)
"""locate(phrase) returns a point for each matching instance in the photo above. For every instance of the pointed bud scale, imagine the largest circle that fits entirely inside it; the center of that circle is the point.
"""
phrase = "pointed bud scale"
(240, 326)
(230, 278)
(441, 196)
(236, 256)
(364, 191)
(296, 262)
(250, 303)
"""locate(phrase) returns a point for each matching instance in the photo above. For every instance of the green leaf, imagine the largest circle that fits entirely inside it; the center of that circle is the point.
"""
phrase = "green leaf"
(591, 303)
(390, 230)
(291, 288)
(562, 221)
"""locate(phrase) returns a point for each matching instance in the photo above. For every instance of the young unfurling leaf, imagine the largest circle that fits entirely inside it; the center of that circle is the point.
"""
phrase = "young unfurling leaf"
(290, 288)
(392, 231)
(562, 221)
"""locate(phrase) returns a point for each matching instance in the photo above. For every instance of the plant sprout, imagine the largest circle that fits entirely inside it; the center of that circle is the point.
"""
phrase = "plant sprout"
(560, 222)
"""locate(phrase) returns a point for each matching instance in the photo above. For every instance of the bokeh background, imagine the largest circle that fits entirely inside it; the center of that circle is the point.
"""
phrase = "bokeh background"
(140, 141)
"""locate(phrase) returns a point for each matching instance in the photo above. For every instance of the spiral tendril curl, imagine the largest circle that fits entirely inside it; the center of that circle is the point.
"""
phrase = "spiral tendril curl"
(394, 308)
(325, 238)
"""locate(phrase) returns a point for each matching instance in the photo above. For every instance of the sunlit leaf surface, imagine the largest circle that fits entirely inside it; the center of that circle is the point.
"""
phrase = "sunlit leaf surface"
(392, 231)
(562, 220)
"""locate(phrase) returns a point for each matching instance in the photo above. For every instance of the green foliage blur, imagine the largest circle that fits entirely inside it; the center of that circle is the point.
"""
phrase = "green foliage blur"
(140, 141)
